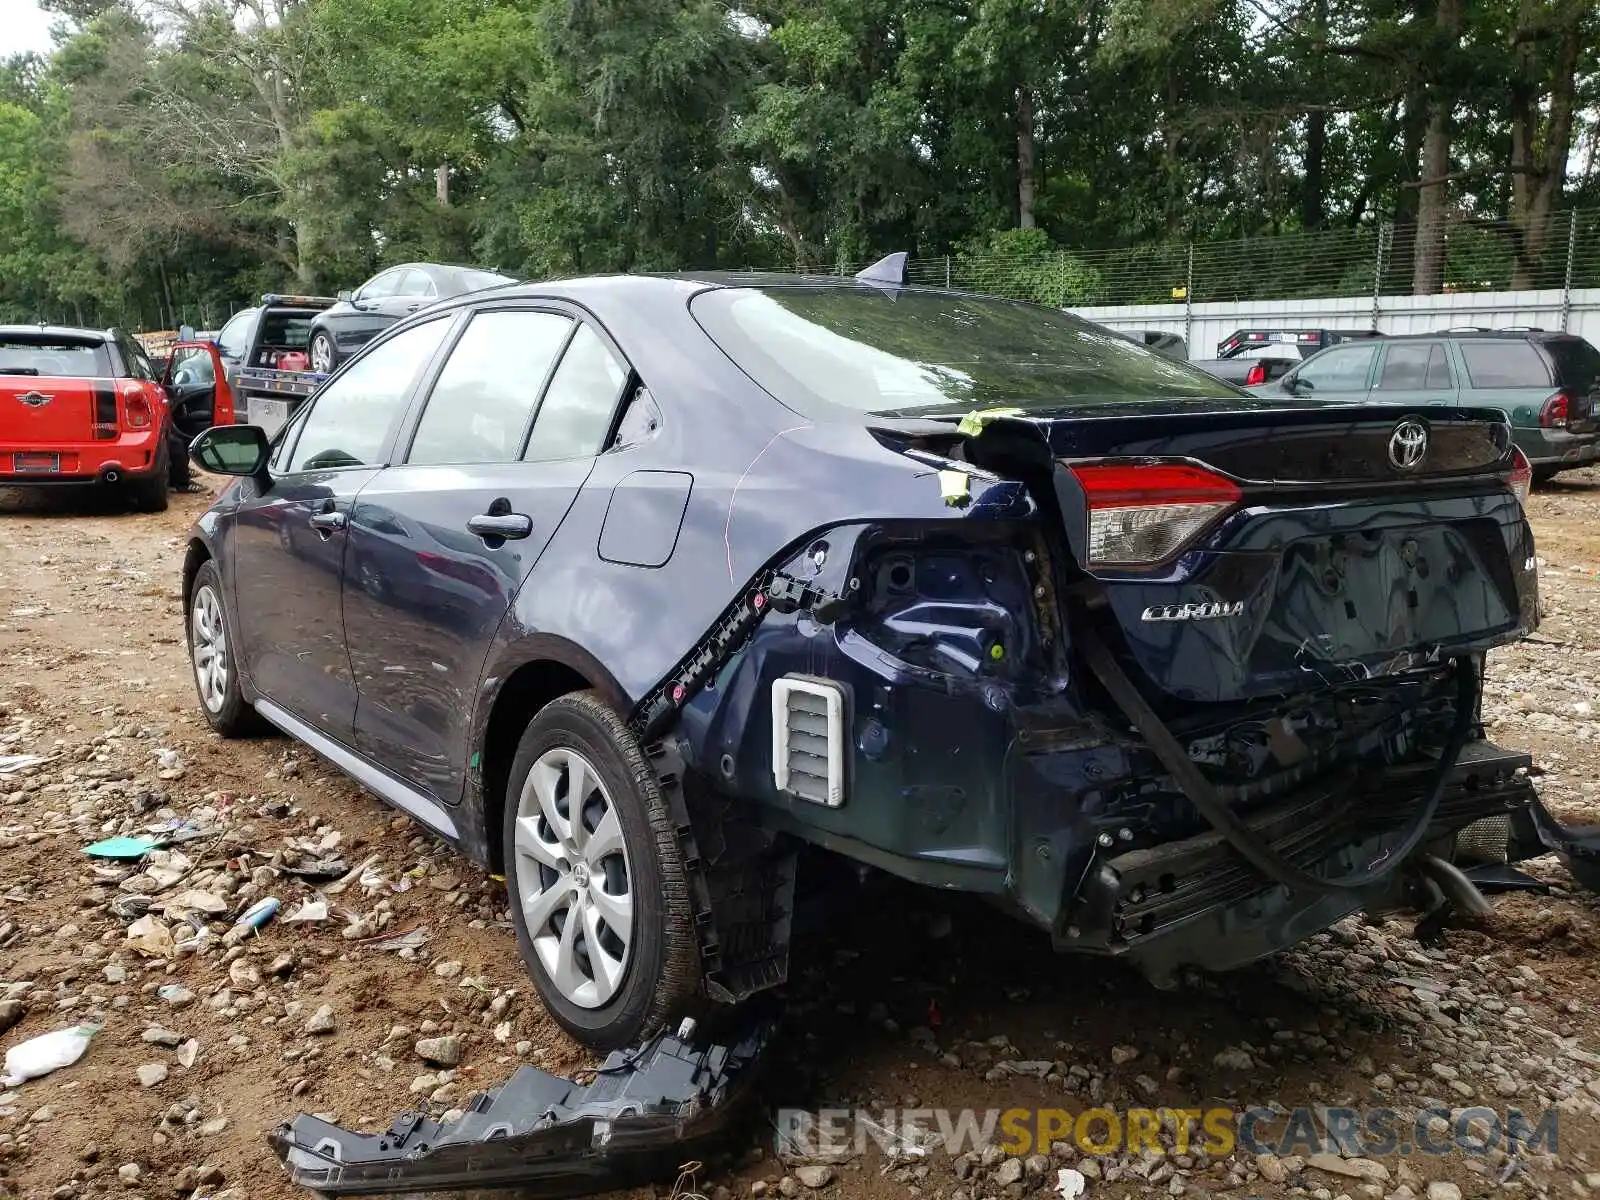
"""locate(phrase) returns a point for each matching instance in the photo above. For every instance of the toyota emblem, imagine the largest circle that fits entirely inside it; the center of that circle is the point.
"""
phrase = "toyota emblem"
(35, 399)
(1408, 444)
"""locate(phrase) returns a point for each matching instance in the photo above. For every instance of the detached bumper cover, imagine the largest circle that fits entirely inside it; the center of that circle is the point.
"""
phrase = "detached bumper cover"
(645, 1107)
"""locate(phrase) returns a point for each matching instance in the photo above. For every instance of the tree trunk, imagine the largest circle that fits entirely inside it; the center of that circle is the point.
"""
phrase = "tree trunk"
(1312, 215)
(441, 184)
(1540, 145)
(1427, 270)
(166, 292)
(1025, 169)
(1312, 211)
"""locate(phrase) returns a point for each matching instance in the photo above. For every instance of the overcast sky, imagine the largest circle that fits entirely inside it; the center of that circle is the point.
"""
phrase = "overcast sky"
(23, 27)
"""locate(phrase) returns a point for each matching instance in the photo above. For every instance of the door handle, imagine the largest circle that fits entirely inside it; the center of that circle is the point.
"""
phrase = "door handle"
(500, 525)
(327, 522)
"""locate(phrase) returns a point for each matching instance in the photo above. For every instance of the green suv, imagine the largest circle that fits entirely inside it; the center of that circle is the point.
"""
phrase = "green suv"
(1549, 384)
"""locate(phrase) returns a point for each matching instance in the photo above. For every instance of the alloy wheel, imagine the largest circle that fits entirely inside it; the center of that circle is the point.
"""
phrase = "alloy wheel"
(576, 884)
(321, 354)
(208, 640)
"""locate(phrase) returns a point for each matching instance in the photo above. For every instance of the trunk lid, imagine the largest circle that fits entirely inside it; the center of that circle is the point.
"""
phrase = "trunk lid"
(49, 412)
(56, 387)
(1303, 547)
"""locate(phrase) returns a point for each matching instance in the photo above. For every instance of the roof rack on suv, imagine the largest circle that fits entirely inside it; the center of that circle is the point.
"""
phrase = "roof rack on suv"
(1493, 329)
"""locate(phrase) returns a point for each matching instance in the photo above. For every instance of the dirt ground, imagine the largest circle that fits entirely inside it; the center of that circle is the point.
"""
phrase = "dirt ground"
(943, 1004)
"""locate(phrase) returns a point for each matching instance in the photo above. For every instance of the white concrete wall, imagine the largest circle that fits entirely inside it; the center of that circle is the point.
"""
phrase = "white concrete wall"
(1208, 324)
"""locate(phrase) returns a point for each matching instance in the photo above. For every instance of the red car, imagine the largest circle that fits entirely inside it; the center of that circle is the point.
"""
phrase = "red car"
(82, 406)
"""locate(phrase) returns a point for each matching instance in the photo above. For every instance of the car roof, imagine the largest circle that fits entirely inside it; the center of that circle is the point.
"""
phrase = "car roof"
(1505, 335)
(66, 331)
(658, 284)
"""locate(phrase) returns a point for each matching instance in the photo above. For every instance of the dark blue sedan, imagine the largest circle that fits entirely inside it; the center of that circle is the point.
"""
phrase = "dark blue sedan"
(632, 587)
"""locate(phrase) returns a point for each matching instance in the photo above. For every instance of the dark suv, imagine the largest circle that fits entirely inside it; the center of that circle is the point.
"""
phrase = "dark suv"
(633, 586)
(1547, 383)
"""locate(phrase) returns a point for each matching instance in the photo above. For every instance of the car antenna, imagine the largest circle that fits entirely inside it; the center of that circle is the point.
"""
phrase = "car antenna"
(890, 270)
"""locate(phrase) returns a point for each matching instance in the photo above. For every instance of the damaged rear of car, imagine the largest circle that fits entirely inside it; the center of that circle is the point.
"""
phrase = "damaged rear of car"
(981, 595)
(1176, 677)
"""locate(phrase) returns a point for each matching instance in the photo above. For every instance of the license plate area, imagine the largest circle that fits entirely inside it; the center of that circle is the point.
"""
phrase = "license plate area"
(31, 463)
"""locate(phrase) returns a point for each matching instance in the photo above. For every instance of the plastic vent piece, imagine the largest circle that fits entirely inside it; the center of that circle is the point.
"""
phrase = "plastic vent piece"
(808, 739)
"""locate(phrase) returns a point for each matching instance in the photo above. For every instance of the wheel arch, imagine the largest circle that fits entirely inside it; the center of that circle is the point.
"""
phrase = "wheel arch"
(532, 673)
(195, 557)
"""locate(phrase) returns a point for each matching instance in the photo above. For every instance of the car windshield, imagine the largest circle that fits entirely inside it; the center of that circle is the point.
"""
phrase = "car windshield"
(52, 355)
(911, 353)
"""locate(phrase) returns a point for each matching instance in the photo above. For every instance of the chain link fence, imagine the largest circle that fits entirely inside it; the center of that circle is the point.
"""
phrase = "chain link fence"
(1560, 253)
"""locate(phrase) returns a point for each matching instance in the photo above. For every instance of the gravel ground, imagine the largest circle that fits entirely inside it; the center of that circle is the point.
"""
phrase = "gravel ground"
(409, 988)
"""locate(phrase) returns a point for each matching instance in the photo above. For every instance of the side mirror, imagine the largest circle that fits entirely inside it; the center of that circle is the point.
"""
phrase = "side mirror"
(346, 297)
(1293, 383)
(186, 333)
(232, 449)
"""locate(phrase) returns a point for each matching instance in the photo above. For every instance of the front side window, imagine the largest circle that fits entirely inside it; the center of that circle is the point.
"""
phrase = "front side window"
(1344, 369)
(478, 410)
(350, 418)
(192, 367)
(234, 339)
(926, 354)
(575, 415)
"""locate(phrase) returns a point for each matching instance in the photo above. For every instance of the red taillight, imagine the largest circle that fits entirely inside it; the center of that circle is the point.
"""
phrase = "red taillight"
(1256, 374)
(136, 410)
(1521, 478)
(1556, 411)
(1142, 513)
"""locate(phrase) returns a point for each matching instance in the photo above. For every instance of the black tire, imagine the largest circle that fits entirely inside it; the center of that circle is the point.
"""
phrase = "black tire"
(232, 716)
(322, 340)
(148, 493)
(660, 977)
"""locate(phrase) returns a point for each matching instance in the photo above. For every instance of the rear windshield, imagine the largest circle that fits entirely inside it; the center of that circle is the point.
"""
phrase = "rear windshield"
(476, 281)
(284, 331)
(931, 354)
(1505, 364)
(1577, 364)
(45, 355)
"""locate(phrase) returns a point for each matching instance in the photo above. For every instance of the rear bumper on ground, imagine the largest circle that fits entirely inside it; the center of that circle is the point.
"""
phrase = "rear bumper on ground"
(1560, 449)
(127, 457)
(1195, 902)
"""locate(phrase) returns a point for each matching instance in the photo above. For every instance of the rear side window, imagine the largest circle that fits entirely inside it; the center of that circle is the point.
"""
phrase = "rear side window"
(49, 356)
(1577, 364)
(1415, 367)
(1505, 364)
(582, 398)
(479, 409)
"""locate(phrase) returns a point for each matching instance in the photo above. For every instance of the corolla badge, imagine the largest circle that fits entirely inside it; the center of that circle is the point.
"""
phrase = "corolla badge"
(34, 399)
(1408, 444)
(1210, 611)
